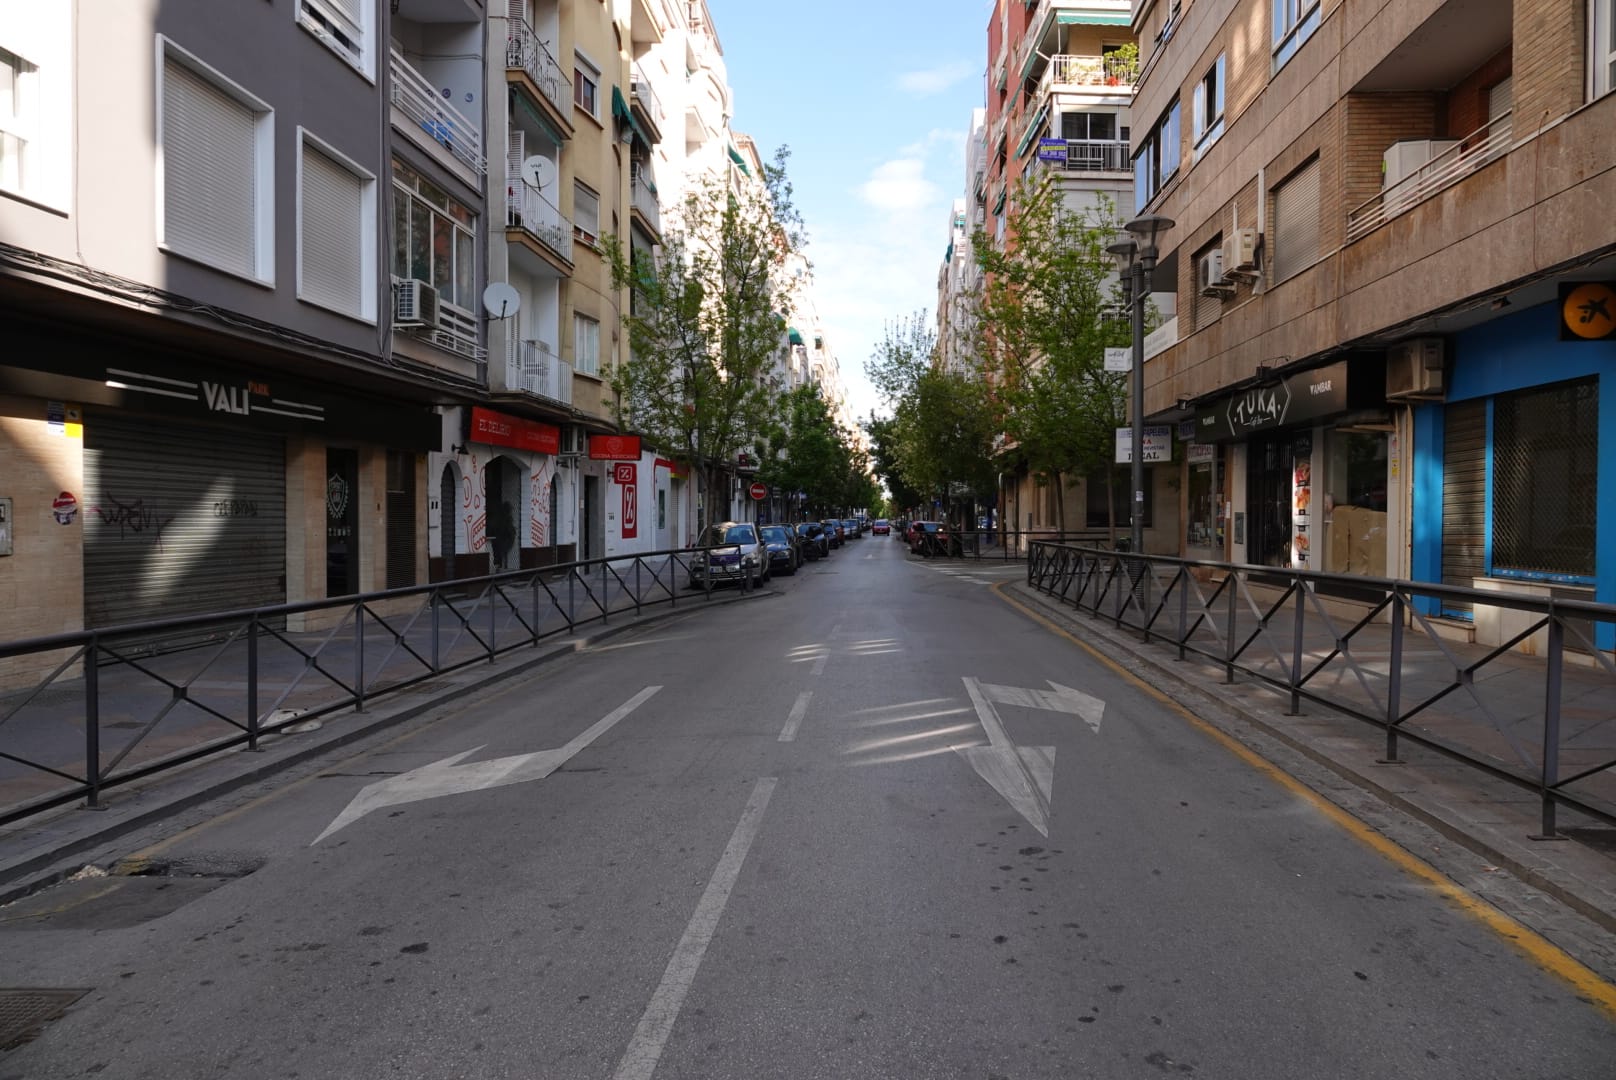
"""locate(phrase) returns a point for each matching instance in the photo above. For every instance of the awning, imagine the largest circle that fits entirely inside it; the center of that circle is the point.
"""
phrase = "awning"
(1030, 136)
(621, 110)
(538, 118)
(1092, 17)
(735, 156)
(794, 335)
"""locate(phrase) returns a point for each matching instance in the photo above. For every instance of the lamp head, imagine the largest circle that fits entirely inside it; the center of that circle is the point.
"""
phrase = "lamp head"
(1147, 227)
(1124, 251)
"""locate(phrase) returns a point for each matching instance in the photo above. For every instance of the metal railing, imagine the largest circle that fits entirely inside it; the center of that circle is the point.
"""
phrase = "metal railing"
(643, 198)
(122, 703)
(527, 209)
(1486, 144)
(442, 122)
(532, 366)
(1095, 155)
(1067, 70)
(1365, 647)
(640, 88)
(524, 51)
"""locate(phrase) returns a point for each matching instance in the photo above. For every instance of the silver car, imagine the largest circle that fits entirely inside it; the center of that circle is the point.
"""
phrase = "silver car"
(736, 553)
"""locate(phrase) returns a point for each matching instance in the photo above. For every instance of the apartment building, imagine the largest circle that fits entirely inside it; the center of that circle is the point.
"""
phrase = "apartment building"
(1395, 349)
(1060, 86)
(206, 401)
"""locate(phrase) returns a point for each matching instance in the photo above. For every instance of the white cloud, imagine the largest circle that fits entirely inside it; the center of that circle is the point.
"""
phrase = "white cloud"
(935, 80)
(900, 185)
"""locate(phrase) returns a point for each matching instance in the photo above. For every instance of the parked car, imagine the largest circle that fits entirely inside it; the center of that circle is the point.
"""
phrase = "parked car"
(736, 554)
(815, 541)
(837, 533)
(881, 527)
(852, 527)
(900, 530)
(780, 541)
(928, 538)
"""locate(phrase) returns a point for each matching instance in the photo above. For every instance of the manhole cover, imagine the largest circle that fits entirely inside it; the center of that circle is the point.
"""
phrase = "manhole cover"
(23, 1013)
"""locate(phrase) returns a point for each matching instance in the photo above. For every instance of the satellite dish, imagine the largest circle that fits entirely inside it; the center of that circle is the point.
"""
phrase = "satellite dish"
(539, 171)
(501, 301)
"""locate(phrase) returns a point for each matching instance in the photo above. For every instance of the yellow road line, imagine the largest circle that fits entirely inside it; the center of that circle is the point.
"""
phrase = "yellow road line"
(1540, 950)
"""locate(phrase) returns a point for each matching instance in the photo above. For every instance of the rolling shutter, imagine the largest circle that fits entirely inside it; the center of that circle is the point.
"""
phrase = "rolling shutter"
(400, 519)
(333, 234)
(1464, 498)
(180, 520)
(210, 174)
(1296, 222)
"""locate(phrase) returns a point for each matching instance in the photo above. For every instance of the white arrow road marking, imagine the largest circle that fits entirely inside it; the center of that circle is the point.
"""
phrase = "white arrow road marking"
(651, 1034)
(1024, 775)
(448, 777)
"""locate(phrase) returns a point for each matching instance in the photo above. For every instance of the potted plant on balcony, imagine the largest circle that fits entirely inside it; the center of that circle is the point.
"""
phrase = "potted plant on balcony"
(1122, 64)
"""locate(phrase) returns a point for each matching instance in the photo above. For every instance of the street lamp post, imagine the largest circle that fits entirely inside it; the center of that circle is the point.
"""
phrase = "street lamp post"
(1136, 263)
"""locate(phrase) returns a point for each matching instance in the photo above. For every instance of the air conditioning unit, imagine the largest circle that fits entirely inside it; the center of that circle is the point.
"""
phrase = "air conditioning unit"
(1414, 370)
(573, 441)
(1401, 162)
(1240, 253)
(415, 303)
(1210, 277)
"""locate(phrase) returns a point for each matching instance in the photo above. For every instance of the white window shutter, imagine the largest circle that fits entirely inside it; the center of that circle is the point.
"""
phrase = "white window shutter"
(333, 234)
(210, 196)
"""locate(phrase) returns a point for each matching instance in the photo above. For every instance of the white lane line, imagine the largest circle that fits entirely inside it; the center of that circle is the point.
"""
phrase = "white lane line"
(651, 1035)
(819, 664)
(794, 721)
(835, 629)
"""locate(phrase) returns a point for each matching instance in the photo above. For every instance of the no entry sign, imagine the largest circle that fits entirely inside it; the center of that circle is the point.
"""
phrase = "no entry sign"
(760, 491)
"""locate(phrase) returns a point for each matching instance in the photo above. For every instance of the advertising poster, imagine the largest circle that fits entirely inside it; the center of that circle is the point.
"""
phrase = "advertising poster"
(1302, 505)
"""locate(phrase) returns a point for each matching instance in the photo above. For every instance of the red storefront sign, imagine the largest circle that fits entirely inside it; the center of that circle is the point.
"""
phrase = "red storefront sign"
(500, 429)
(614, 447)
(624, 474)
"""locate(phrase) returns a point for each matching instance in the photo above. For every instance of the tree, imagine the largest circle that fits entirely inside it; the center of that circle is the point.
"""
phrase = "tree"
(707, 322)
(884, 460)
(810, 454)
(1047, 313)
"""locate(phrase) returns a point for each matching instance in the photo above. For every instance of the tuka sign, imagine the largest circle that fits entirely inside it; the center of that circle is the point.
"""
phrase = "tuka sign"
(1295, 399)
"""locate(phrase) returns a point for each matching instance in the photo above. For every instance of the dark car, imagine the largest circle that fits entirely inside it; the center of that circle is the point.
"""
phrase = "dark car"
(851, 525)
(928, 538)
(781, 544)
(837, 533)
(815, 541)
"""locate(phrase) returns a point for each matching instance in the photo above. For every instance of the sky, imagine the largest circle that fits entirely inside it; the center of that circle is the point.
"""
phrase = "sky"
(874, 101)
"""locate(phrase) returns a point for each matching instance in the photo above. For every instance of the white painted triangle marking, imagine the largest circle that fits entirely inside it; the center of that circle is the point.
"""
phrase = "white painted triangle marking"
(448, 777)
(1024, 776)
(1058, 699)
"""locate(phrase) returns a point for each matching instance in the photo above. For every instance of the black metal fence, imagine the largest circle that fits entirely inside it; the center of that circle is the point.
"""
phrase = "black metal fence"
(103, 707)
(1536, 709)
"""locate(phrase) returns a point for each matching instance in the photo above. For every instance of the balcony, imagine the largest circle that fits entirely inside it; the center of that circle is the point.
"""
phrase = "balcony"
(442, 123)
(534, 367)
(525, 53)
(643, 198)
(1486, 144)
(645, 99)
(1088, 72)
(1094, 155)
(527, 209)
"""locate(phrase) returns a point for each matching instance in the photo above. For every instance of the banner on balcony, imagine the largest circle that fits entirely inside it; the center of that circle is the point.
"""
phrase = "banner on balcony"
(1051, 149)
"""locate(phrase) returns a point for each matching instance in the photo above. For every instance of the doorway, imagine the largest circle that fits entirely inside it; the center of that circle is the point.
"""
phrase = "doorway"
(594, 530)
(1271, 481)
(341, 522)
(502, 482)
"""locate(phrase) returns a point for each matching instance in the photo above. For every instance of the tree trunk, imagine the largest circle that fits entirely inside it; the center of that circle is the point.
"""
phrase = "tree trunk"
(1060, 504)
(1111, 505)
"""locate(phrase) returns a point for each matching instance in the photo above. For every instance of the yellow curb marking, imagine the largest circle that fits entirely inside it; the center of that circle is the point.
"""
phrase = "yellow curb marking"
(1541, 951)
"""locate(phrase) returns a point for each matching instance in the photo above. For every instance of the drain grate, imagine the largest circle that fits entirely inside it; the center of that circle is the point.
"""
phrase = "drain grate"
(25, 1012)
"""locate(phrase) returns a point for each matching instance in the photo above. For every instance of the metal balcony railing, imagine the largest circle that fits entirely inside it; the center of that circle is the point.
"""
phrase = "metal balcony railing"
(527, 209)
(1486, 144)
(1095, 155)
(644, 198)
(640, 87)
(442, 122)
(1090, 71)
(525, 52)
(534, 367)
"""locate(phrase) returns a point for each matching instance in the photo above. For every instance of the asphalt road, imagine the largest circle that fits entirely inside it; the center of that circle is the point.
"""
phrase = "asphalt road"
(788, 861)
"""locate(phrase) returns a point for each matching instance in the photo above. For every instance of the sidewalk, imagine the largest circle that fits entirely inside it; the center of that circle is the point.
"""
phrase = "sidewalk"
(1488, 817)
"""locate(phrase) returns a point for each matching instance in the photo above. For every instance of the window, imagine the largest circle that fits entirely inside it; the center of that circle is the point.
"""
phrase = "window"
(586, 344)
(344, 26)
(336, 207)
(215, 169)
(1294, 210)
(19, 119)
(1158, 158)
(1545, 501)
(1209, 107)
(586, 85)
(1294, 23)
(434, 239)
(585, 214)
(1602, 47)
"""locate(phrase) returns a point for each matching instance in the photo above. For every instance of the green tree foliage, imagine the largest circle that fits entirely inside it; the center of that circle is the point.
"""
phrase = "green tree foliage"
(707, 322)
(884, 461)
(944, 421)
(810, 453)
(1047, 314)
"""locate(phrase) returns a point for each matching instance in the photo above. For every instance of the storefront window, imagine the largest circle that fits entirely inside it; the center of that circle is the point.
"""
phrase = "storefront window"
(1355, 502)
(1204, 528)
(1545, 476)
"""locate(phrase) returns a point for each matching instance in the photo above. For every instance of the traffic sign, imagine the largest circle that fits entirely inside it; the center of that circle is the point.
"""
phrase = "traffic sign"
(759, 491)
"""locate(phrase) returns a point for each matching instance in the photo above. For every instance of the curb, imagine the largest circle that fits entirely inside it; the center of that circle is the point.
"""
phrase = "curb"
(164, 798)
(1592, 901)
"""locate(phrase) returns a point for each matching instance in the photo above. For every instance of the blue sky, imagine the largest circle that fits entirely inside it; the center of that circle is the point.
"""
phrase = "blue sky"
(874, 99)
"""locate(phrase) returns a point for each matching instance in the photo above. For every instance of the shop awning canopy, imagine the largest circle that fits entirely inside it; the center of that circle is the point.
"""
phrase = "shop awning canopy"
(1092, 17)
(621, 110)
(794, 335)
